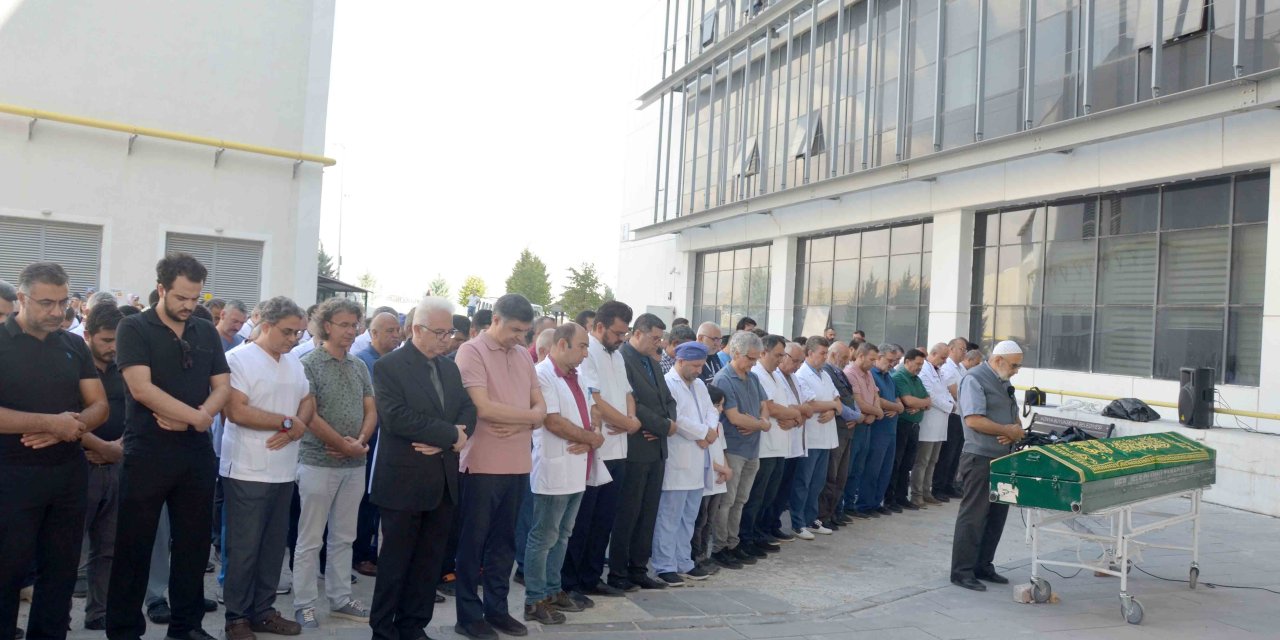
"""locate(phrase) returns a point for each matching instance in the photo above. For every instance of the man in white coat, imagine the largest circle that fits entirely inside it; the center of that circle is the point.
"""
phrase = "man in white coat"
(684, 477)
(933, 427)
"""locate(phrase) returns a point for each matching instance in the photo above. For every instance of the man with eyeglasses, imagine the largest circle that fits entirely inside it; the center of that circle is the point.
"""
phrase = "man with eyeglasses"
(746, 416)
(331, 465)
(709, 336)
(178, 380)
(991, 426)
(50, 396)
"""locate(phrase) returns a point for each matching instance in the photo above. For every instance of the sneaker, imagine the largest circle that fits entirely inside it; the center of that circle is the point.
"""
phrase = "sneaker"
(671, 578)
(645, 582)
(805, 534)
(768, 547)
(582, 599)
(275, 623)
(283, 589)
(696, 573)
(819, 529)
(740, 554)
(781, 536)
(752, 549)
(306, 618)
(354, 611)
(564, 602)
(622, 584)
(509, 625)
(725, 560)
(543, 614)
(709, 566)
(606, 590)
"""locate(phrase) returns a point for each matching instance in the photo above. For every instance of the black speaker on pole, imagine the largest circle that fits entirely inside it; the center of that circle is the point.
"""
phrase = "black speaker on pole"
(1195, 397)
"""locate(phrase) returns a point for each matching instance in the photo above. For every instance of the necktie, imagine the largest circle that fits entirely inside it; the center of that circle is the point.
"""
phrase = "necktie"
(435, 381)
(648, 365)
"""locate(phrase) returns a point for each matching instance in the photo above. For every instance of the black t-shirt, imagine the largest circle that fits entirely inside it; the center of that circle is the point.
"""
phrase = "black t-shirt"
(180, 371)
(41, 376)
(113, 383)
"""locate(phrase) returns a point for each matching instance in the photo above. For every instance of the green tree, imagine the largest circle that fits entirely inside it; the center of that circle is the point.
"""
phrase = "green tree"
(583, 291)
(529, 278)
(325, 263)
(607, 296)
(438, 287)
(367, 281)
(473, 284)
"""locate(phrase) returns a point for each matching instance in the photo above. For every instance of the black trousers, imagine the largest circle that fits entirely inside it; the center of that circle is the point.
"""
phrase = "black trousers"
(181, 479)
(584, 558)
(904, 457)
(632, 540)
(42, 512)
(979, 523)
(756, 523)
(413, 546)
(772, 513)
(365, 546)
(944, 473)
(837, 475)
(488, 510)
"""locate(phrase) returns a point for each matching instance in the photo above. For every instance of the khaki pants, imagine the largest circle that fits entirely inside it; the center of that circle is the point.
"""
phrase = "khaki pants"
(922, 472)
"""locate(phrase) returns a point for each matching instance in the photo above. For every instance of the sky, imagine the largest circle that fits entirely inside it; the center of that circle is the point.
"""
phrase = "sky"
(466, 132)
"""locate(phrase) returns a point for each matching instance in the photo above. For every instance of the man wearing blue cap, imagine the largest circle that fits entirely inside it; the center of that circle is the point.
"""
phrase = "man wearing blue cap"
(684, 476)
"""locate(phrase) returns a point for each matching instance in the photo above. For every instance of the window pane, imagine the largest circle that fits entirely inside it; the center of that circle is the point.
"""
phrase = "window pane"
(981, 326)
(741, 259)
(739, 298)
(843, 320)
(928, 237)
(926, 268)
(1248, 264)
(709, 288)
(985, 271)
(845, 285)
(1244, 346)
(710, 261)
(875, 243)
(1193, 267)
(1065, 338)
(1022, 325)
(1252, 198)
(1069, 272)
(922, 335)
(1128, 270)
(1020, 274)
(758, 287)
(1134, 212)
(847, 245)
(906, 239)
(873, 279)
(904, 279)
(986, 229)
(724, 292)
(871, 321)
(821, 249)
(760, 256)
(1073, 221)
(1124, 341)
(1198, 204)
(1022, 227)
(820, 283)
(901, 329)
(1188, 338)
(802, 285)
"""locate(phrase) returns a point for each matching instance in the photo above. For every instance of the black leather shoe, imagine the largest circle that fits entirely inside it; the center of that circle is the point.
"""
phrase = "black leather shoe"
(508, 625)
(622, 584)
(724, 559)
(210, 605)
(194, 634)
(97, 624)
(942, 498)
(863, 515)
(752, 550)
(645, 582)
(993, 578)
(768, 547)
(439, 598)
(884, 511)
(894, 508)
(908, 506)
(476, 630)
(969, 583)
(606, 590)
(158, 612)
(737, 553)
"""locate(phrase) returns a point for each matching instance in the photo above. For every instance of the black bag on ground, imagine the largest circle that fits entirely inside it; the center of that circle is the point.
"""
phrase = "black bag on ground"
(1130, 409)
(1032, 397)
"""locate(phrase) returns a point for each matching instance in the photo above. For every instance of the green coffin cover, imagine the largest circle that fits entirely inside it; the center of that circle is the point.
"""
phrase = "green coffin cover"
(1092, 460)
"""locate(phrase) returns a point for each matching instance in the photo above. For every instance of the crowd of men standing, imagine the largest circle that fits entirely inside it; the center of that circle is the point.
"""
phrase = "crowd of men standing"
(601, 456)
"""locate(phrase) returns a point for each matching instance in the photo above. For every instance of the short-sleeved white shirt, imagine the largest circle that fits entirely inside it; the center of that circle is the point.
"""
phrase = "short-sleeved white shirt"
(606, 373)
(816, 434)
(277, 386)
(555, 470)
(776, 442)
(796, 444)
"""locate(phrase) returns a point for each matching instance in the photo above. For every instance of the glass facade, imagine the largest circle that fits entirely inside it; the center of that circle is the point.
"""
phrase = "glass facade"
(876, 280)
(730, 284)
(870, 85)
(1139, 282)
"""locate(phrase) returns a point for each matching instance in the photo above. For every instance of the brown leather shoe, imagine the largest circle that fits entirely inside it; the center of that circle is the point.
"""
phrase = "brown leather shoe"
(367, 568)
(239, 630)
(931, 500)
(277, 624)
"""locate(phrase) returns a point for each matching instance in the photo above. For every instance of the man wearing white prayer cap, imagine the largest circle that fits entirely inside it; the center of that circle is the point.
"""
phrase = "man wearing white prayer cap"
(991, 425)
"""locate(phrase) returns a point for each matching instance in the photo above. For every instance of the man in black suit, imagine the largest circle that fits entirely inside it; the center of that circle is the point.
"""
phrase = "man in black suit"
(632, 538)
(425, 418)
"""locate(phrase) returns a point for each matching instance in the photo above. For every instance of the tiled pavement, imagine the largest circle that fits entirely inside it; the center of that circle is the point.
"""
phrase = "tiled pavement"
(886, 579)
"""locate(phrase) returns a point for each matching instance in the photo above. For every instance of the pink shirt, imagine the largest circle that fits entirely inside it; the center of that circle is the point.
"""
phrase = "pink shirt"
(509, 378)
(864, 387)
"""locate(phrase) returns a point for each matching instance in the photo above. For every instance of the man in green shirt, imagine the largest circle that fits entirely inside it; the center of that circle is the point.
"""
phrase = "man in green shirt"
(331, 461)
(915, 398)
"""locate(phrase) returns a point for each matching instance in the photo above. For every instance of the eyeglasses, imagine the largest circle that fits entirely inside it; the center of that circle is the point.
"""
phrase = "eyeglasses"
(290, 333)
(344, 325)
(187, 361)
(440, 334)
(48, 305)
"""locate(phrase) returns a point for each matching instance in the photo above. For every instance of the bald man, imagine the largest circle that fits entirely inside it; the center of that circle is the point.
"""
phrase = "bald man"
(710, 336)
(384, 337)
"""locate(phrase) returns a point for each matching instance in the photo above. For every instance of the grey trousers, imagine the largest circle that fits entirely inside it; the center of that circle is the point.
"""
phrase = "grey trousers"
(728, 517)
(979, 522)
(256, 539)
(100, 535)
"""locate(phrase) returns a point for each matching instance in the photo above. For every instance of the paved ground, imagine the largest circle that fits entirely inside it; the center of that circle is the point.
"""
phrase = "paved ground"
(887, 579)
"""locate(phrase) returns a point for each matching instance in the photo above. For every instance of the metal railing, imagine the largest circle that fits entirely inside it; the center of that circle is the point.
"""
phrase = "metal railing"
(1156, 403)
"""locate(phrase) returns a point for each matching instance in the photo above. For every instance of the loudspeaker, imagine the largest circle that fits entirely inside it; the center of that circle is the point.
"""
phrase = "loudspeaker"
(1195, 398)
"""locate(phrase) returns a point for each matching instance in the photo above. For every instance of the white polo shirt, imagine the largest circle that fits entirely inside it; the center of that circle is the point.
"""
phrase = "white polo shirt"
(606, 373)
(686, 463)
(556, 471)
(796, 442)
(816, 434)
(277, 386)
(774, 443)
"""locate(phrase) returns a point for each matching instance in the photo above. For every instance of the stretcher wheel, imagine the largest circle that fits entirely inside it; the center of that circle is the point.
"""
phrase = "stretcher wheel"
(1040, 590)
(1195, 577)
(1131, 609)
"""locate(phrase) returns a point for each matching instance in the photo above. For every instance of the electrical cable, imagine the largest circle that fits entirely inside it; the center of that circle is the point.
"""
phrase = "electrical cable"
(1211, 585)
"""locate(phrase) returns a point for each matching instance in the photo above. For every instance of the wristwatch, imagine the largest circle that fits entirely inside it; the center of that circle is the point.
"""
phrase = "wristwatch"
(286, 425)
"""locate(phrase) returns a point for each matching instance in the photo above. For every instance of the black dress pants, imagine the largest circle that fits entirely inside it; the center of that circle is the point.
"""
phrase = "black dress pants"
(944, 473)
(632, 539)
(584, 558)
(979, 522)
(413, 547)
(42, 511)
(488, 510)
(181, 479)
(904, 457)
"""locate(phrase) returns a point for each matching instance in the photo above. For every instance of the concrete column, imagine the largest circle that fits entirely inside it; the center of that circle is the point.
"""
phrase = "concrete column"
(951, 275)
(782, 286)
(1270, 372)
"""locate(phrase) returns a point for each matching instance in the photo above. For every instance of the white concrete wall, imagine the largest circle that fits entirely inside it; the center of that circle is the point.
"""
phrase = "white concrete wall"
(252, 72)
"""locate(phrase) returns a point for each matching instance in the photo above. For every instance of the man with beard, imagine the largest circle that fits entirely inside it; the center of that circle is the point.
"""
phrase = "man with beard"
(178, 380)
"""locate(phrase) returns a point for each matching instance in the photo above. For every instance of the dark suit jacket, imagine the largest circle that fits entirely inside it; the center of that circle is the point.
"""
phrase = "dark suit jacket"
(654, 407)
(846, 392)
(409, 412)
